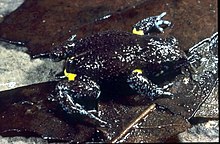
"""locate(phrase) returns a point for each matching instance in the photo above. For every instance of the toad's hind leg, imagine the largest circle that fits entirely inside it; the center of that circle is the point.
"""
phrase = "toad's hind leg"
(75, 96)
(144, 86)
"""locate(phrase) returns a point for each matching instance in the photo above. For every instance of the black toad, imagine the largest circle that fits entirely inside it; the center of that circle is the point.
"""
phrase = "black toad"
(112, 54)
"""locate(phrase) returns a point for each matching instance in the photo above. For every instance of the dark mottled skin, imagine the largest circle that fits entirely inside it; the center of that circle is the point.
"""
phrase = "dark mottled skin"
(113, 53)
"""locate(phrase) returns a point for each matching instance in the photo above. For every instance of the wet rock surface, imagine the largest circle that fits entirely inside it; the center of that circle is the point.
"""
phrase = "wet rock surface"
(17, 69)
(7, 6)
(203, 132)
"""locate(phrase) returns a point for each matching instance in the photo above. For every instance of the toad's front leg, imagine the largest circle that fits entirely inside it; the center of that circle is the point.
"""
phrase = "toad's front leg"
(74, 96)
(144, 86)
(151, 24)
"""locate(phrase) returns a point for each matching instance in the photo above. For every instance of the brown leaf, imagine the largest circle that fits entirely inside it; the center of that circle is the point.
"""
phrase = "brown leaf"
(46, 23)
(26, 111)
(140, 123)
(42, 25)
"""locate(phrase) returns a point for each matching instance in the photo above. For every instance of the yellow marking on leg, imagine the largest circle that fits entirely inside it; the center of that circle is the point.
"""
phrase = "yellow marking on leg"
(137, 71)
(70, 76)
(137, 32)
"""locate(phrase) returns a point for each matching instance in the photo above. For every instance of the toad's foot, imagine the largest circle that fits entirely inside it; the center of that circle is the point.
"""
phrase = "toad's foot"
(148, 25)
(144, 86)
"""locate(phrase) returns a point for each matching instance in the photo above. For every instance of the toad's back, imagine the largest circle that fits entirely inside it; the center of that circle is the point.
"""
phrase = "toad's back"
(111, 53)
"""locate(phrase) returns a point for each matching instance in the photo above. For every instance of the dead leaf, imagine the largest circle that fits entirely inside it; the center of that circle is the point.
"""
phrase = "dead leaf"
(42, 25)
(26, 111)
(139, 123)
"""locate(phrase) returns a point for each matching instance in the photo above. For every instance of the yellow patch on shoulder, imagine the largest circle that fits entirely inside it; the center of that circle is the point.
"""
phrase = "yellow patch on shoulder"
(137, 32)
(137, 71)
(70, 76)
